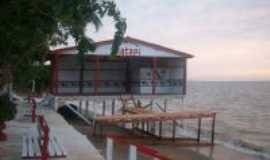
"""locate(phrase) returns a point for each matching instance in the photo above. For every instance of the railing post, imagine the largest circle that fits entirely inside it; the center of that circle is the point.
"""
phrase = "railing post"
(174, 130)
(109, 149)
(132, 152)
(113, 106)
(165, 105)
(87, 107)
(103, 108)
(213, 128)
(33, 111)
(80, 106)
(199, 130)
(160, 130)
(45, 142)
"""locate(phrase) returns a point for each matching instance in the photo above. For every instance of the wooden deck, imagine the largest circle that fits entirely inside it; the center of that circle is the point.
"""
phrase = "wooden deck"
(137, 116)
(155, 116)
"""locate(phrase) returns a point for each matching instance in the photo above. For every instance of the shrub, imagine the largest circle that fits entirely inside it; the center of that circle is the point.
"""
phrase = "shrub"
(7, 108)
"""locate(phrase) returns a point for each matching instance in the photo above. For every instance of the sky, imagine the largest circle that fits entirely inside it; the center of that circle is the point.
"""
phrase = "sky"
(230, 39)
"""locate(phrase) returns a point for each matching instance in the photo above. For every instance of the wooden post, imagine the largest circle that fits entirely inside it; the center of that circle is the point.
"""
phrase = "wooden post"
(160, 129)
(103, 108)
(151, 104)
(34, 106)
(81, 78)
(174, 130)
(147, 126)
(153, 127)
(109, 149)
(199, 130)
(97, 74)
(213, 128)
(113, 106)
(154, 75)
(56, 74)
(52, 82)
(143, 126)
(101, 129)
(132, 152)
(165, 105)
(94, 128)
(87, 107)
(45, 142)
(124, 106)
(80, 106)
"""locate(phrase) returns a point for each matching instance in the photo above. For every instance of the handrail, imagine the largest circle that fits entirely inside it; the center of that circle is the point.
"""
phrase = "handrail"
(140, 148)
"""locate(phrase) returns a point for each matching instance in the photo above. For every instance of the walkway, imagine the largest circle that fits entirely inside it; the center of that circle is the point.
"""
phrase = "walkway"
(76, 144)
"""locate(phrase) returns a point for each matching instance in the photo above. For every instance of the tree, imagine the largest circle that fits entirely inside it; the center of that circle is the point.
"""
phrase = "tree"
(29, 27)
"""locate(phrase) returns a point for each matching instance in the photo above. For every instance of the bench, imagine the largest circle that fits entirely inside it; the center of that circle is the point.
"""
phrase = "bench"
(42, 145)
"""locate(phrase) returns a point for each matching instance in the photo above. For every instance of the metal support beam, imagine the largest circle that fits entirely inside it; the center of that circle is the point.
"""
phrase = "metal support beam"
(199, 130)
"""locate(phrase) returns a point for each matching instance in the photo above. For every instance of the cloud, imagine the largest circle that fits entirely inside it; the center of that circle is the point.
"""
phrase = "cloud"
(229, 38)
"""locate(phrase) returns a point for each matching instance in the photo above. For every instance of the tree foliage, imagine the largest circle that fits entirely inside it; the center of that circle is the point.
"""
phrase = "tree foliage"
(29, 27)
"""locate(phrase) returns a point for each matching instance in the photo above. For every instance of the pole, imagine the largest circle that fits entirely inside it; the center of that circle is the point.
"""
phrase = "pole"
(109, 149)
(174, 130)
(113, 106)
(97, 74)
(154, 75)
(132, 152)
(199, 130)
(56, 74)
(160, 129)
(165, 105)
(103, 108)
(213, 128)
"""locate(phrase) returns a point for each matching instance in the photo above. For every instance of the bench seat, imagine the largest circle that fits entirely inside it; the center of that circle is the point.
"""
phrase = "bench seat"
(31, 147)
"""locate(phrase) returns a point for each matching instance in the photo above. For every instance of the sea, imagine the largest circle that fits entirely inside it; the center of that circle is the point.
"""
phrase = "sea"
(243, 112)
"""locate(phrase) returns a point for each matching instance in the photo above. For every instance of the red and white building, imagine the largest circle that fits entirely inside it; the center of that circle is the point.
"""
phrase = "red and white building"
(140, 68)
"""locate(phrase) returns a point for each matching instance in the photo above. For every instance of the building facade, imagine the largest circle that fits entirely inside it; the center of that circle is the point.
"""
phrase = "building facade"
(140, 68)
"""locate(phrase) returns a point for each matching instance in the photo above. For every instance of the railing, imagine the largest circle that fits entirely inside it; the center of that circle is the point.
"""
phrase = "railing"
(134, 150)
(122, 83)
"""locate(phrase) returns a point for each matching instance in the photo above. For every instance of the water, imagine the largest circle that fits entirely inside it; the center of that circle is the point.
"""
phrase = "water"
(243, 113)
(243, 109)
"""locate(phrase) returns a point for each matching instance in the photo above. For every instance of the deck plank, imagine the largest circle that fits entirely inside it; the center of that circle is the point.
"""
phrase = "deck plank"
(157, 116)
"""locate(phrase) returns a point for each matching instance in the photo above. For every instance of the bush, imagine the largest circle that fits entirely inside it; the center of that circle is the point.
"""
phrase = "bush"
(7, 108)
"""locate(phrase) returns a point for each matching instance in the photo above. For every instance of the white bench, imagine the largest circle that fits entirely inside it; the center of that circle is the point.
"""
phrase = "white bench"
(42, 145)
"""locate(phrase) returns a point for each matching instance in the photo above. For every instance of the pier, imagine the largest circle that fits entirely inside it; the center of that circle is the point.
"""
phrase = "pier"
(143, 119)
